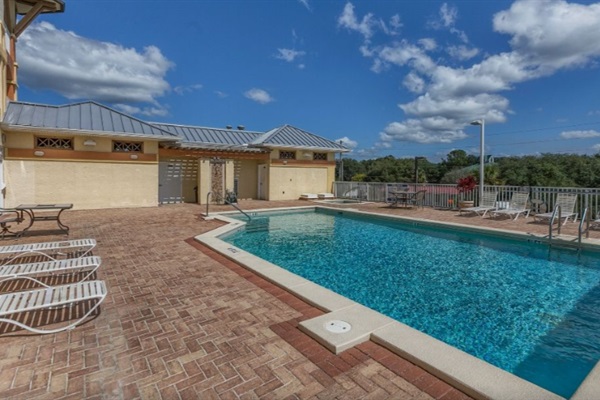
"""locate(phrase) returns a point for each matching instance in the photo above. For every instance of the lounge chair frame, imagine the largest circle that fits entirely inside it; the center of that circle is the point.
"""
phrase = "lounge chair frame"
(487, 203)
(52, 267)
(51, 297)
(567, 202)
(516, 206)
(42, 249)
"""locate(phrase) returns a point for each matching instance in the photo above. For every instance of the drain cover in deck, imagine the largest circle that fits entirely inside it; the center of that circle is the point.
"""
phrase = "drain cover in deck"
(337, 326)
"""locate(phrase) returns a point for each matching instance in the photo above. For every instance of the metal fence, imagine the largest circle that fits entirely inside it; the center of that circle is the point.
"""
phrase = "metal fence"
(541, 199)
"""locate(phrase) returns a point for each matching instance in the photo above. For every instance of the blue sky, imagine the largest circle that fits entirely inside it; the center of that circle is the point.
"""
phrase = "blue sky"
(387, 77)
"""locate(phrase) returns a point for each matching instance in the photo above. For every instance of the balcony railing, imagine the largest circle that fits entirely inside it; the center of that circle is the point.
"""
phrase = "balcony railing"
(541, 199)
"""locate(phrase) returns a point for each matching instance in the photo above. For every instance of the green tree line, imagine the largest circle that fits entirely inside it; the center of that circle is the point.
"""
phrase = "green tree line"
(561, 170)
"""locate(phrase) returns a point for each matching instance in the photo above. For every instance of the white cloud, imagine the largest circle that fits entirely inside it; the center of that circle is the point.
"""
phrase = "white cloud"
(220, 94)
(448, 15)
(426, 130)
(349, 21)
(82, 68)
(553, 34)
(259, 96)
(596, 147)
(157, 111)
(546, 36)
(305, 4)
(181, 90)
(349, 143)
(289, 55)
(462, 52)
(579, 134)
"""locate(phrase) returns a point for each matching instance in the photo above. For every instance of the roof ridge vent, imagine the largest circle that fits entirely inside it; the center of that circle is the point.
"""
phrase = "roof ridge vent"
(228, 127)
(241, 127)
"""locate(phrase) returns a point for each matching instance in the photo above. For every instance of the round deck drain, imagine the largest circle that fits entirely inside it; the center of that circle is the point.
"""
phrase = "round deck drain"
(337, 326)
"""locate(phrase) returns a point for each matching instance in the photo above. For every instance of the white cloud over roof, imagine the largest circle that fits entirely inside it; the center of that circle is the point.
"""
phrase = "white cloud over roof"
(259, 95)
(82, 68)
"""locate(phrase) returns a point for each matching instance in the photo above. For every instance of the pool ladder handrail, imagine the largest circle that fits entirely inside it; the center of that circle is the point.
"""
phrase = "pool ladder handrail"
(234, 205)
(585, 217)
(557, 210)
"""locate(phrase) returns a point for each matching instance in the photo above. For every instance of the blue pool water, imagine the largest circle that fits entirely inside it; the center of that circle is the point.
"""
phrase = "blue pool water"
(514, 304)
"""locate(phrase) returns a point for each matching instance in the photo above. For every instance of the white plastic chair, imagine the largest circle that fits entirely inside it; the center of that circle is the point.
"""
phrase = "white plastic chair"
(487, 203)
(51, 267)
(15, 304)
(567, 202)
(516, 206)
(44, 248)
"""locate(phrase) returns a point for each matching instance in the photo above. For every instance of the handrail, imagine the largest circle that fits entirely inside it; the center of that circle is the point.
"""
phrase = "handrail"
(207, 195)
(584, 218)
(234, 205)
(557, 208)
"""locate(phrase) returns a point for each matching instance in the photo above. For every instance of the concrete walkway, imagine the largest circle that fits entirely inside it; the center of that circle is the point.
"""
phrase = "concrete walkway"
(181, 322)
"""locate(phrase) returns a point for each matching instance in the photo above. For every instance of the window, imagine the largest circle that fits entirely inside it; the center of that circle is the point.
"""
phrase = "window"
(287, 155)
(320, 156)
(126, 147)
(53, 143)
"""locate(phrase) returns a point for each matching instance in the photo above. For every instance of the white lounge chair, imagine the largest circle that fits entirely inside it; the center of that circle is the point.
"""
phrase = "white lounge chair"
(487, 203)
(52, 267)
(567, 202)
(516, 206)
(14, 304)
(44, 249)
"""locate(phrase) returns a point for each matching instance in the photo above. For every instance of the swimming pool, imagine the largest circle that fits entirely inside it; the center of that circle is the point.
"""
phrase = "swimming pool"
(501, 300)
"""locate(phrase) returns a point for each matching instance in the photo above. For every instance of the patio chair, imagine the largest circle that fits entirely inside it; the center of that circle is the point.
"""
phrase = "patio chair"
(7, 216)
(45, 249)
(60, 267)
(516, 206)
(14, 305)
(416, 200)
(567, 202)
(487, 203)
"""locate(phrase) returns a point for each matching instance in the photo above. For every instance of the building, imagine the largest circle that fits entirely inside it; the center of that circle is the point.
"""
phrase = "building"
(96, 157)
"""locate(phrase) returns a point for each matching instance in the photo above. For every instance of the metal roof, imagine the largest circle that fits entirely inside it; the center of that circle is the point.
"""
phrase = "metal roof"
(92, 118)
(198, 137)
(88, 116)
(291, 137)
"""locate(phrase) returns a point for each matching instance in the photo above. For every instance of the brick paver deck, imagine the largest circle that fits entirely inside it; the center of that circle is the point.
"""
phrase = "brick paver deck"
(182, 322)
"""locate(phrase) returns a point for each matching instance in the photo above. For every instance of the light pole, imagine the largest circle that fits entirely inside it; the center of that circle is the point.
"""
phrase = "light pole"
(417, 170)
(481, 123)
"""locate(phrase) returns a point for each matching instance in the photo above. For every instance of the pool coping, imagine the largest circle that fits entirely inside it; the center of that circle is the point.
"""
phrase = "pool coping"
(468, 373)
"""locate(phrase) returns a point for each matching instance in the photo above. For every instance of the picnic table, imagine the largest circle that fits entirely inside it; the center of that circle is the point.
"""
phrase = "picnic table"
(51, 212)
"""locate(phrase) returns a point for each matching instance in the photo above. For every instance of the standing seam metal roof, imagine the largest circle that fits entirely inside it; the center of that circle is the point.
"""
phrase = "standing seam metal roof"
(291, 136)
(87, 116)
(92, 117)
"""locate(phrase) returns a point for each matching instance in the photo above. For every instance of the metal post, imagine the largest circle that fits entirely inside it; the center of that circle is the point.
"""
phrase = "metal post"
(481, 123)
(341, 165)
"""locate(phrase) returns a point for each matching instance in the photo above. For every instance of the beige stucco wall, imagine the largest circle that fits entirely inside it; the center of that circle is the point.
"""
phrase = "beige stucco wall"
(288, 182)
(88, 185)
(248, 180)
(26, 140)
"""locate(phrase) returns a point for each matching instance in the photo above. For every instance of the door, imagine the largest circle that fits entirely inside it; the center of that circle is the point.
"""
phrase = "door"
(262, 182)
(169, 182)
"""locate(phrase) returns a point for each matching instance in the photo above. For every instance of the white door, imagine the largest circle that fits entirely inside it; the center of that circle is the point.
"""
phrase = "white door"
(262, 181)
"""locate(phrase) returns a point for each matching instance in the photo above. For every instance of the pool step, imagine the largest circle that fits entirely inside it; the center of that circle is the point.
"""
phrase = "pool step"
(257, 226)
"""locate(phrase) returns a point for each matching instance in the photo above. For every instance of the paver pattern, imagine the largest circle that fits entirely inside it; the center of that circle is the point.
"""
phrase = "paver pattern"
(181, 322)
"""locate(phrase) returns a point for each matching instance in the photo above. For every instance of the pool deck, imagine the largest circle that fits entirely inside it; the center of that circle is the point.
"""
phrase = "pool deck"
(183, 322)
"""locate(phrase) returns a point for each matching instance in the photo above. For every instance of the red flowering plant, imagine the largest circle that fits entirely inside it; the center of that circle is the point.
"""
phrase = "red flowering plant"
(466, 184)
